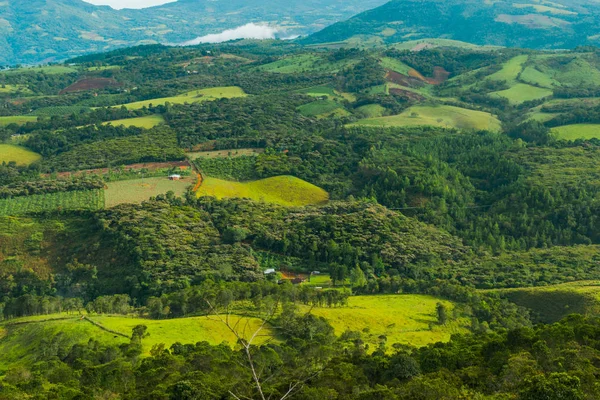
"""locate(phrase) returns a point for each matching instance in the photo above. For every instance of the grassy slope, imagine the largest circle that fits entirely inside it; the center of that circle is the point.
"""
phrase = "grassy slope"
(371, 110)
(284, 190)
(20, 155)
(194, 96)
(577, 131)
(149, 121)
(395, 65)
(442, 116)
(510, 70)
(233, 153)
(407, 319)
(306, 62)
(138, 190)
(48, 69)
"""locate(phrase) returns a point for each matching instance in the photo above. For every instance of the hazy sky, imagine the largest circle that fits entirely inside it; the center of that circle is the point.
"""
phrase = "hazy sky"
(118, 4)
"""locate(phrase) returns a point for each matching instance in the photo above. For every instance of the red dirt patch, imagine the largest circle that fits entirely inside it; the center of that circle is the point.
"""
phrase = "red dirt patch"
(90, 84)
(407, 94)
(184, 165)
(440, 75)
(400, 79)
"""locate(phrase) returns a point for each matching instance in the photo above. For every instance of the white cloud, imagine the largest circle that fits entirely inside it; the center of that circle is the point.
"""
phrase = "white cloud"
(248, 31)
(120, 4)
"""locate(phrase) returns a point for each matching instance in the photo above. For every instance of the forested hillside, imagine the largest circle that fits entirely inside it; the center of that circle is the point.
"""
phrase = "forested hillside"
(540, 24)
(386, 223)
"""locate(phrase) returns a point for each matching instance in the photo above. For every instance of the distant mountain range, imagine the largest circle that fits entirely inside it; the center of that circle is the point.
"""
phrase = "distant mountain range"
(521, 23)
(33, 31)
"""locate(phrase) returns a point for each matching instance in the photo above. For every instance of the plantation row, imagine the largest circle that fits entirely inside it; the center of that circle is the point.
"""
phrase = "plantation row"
(77, 200)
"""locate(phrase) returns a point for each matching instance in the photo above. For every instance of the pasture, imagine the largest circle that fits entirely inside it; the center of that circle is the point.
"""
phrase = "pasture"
(510, 70)
(17, 154)
(59, 110)
(440, 116)
(233, 153)
(19, 342)
(139, 190)
(306, 62)
(522, 92)
(322, 109)
(406, 319)
(18, 119)
(577, 131)
(193, 96)
(76, 200)
(370, 111)
(395, 65)
(147, 122)
(283, 190)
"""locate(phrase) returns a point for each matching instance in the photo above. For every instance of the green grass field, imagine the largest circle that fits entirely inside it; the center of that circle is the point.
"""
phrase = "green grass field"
(577, 131)
(534, 76)
(371, 111)
(432, 43)
(139, 190)
(522, 92)
(233, 153)
(321, 108)
(19, 120)
(510, 70)
(441, 116)
(193, 96)
(147, 122)
(306, 62)
(20, 155)
(318, 91)
(77, 200)
(19, 344)
(406, 319)
(541, 116)
(284, 190)
(549, 304)
(395, 65)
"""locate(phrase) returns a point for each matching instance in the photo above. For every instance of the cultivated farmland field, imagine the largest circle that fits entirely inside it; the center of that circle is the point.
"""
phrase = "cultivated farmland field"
(147, 122)
(406, 319)
(193, 96)
(139, 190)
(577, 131)
(233, 153)
(76, 200)
(284, 190)
(441, 116)
(19, 120)
(18, 154)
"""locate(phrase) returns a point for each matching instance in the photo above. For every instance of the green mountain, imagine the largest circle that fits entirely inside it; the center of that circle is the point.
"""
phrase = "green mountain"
(47, 30)
(538, 24)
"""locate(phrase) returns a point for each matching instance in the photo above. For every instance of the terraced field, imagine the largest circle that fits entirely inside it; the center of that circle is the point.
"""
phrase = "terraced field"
(441, 116)
(284, 190)
(193, 96)
(18, 154)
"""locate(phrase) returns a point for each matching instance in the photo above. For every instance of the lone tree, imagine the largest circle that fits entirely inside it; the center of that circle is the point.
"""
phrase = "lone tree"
(442, 313)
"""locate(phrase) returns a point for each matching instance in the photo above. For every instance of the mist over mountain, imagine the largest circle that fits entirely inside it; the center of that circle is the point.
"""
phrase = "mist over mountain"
(36, 31)
(534, 24)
